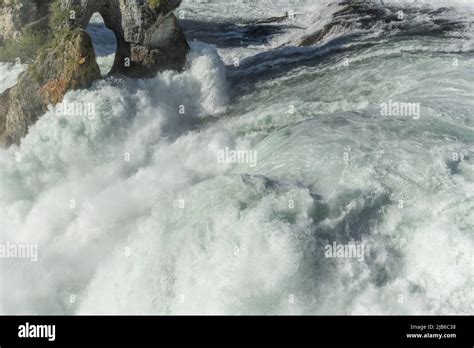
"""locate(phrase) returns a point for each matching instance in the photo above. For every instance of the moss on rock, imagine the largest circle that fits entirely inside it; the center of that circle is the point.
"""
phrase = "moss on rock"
(149, 38)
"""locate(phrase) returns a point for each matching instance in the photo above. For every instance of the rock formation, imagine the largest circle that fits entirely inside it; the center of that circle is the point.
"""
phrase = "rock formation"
(149, 40)
(16, 15)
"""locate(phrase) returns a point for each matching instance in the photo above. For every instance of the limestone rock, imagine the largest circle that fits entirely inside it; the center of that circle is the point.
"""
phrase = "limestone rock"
(67, 64)
(149, 40)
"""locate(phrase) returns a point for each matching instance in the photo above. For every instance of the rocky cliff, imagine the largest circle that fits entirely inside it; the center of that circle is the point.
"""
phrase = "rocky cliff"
(149, 40)
(16, 15)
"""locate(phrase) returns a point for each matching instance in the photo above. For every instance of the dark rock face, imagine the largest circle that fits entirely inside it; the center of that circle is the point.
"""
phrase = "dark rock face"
(18, 15)
(4, 106)
(167, 44)
(149, 40)
(68, 64)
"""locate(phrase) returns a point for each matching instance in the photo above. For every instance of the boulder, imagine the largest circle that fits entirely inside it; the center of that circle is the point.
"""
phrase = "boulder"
(16, 15)
(149, 37)
(68, 63)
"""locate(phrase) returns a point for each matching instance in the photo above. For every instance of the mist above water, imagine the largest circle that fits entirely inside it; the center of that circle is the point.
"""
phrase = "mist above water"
(133, 212)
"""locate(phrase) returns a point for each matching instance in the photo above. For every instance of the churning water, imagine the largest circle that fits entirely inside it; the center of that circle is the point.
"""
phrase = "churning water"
(219, 189)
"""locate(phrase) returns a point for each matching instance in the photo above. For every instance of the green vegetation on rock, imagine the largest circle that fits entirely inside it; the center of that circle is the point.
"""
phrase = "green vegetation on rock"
(59, 16)
(31, 41)
(25, 48)
(156, 3)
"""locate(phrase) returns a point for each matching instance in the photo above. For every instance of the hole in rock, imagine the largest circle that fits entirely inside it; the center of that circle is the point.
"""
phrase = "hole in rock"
(104, 41)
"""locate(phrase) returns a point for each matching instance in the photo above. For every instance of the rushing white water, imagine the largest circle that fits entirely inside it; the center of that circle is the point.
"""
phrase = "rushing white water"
(9, 73)
(104, 41)
(133, 213)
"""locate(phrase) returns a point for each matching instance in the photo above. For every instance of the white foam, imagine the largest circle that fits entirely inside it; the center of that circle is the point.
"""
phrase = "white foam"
(80, 161)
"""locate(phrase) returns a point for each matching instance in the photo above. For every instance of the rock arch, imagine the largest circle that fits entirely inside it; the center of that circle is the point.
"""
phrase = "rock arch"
(149, 40)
